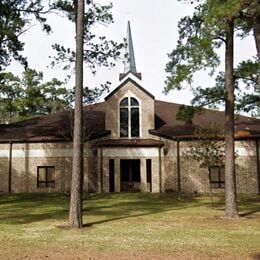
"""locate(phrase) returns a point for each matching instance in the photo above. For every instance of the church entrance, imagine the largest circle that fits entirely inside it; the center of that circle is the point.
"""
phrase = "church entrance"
(130, 175)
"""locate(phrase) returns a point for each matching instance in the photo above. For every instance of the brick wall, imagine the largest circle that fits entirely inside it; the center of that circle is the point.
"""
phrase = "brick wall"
(27, 157)
(146, 111)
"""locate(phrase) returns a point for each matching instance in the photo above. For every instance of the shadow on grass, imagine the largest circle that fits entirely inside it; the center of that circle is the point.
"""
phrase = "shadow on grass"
(250, 212)
(18, 209)
(107, 207)
(248, 205)
(130, 205)
(28, 208)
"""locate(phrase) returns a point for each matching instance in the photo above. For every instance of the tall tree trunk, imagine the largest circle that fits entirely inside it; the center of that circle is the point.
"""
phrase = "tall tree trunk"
(75, 216)
(256, 29)
(255, 14)
(230, 177)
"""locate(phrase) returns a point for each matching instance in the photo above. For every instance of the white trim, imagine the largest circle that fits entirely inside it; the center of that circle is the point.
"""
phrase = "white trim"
(246, 151)
(36, 153)
(241, 151)
(133, 77)
(130, 152)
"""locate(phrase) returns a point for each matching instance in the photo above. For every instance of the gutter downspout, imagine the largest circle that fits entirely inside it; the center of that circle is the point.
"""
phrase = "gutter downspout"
(178, 169)
(257, 166)
(10, 167)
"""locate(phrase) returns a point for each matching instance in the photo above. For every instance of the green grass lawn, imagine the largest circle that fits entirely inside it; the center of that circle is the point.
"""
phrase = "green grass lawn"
(128, 225)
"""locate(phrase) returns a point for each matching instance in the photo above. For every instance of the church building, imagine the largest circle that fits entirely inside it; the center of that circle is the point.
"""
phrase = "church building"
(132, 143)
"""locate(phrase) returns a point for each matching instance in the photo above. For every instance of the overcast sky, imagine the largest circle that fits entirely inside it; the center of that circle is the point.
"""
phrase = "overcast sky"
(154, 32)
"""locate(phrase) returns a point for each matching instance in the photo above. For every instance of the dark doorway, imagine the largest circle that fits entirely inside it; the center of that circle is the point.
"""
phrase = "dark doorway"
(130, 175)
(111, 175)
(149, 174)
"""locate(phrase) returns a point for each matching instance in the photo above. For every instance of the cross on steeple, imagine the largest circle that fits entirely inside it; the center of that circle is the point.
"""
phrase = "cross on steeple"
(129, 65)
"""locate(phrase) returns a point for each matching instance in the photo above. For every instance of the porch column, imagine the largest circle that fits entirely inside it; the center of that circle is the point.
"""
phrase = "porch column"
(143, 175)
(105, 175)
(99, 170)
(117, 175)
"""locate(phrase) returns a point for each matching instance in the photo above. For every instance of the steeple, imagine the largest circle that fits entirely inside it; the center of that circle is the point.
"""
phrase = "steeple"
(129, 65)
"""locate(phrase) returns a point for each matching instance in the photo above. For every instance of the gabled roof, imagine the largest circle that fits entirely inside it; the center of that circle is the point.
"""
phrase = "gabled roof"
(123, 83)
(59, 126)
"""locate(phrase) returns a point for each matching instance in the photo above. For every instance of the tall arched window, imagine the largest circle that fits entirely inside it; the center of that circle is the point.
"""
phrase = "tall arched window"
(129, 117)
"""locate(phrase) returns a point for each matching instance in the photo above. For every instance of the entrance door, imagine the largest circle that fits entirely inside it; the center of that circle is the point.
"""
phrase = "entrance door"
(130, 175)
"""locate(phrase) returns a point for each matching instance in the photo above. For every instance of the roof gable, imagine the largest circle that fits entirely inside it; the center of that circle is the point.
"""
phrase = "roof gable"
(129, 79)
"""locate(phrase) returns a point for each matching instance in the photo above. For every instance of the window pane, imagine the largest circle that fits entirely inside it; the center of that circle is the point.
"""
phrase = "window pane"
(41, 184)
(135, 122)
(124, 102)
(123, 122)
(214, 185)
(214, 174)
(134, 102)
(46, 176)
(51, 174)
(41, 174)
(50, 184)
(222, 174)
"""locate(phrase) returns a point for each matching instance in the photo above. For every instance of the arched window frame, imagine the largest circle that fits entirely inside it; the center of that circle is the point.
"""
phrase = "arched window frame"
(129, 108)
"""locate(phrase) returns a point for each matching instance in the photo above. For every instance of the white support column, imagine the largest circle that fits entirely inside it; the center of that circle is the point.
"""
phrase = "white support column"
(143, 175)
(105, 175)
(117, 175)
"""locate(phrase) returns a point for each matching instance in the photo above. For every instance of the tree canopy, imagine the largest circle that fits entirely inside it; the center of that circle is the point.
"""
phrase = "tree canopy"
(30, 95)
(15, 18)
(200, 36)
(98, 51)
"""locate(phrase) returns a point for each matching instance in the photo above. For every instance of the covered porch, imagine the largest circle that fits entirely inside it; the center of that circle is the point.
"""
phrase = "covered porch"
(129, 165)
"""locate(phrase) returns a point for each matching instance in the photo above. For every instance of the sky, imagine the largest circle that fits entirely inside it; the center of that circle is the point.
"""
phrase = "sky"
(154, 32)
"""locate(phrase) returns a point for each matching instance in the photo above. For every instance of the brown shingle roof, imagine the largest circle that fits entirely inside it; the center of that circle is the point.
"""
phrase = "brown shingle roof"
(168, 126)
(58, 126)
(55, 127)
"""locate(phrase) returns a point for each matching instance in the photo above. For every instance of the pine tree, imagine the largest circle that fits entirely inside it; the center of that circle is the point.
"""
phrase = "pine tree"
(75, 215)
(212, 25)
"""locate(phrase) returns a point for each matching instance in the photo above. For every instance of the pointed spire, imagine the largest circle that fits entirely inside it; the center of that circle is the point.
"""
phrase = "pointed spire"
(129, 65)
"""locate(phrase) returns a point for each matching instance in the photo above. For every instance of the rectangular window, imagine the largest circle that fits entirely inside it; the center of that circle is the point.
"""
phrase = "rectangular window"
(45, 176)
(217, 176)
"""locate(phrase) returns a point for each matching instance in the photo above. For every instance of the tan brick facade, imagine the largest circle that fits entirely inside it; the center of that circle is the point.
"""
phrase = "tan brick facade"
(164, 170)
(103, 164)
(146, 112)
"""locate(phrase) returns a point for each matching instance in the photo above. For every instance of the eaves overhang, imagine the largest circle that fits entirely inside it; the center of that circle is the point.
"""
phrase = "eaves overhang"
(130, 143)
(194, 137)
